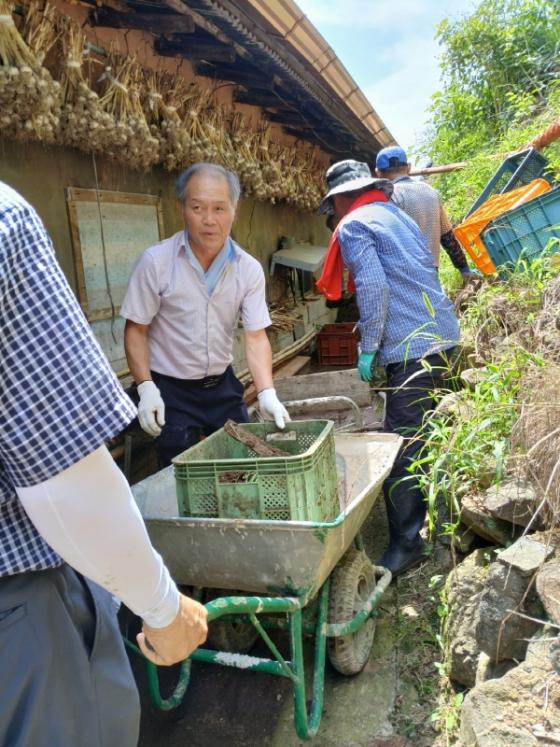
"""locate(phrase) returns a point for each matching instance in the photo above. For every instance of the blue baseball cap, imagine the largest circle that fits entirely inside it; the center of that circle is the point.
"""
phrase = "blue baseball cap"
(390, 158)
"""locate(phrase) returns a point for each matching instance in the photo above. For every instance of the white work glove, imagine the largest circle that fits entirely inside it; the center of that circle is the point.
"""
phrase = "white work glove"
(151, 408)
(271, 408)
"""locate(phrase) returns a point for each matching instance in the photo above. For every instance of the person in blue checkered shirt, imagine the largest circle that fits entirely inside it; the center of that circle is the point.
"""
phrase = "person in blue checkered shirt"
(71, 536)
(407, 325)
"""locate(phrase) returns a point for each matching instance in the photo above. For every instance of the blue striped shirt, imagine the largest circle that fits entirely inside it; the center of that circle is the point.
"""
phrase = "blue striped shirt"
(404, 313)
(59, 399)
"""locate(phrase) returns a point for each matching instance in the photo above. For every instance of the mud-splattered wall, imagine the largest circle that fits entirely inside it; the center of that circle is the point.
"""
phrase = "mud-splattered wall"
(42, 174)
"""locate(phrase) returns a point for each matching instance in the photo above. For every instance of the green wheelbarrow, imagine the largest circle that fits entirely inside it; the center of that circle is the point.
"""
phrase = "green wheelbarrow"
(305, 578)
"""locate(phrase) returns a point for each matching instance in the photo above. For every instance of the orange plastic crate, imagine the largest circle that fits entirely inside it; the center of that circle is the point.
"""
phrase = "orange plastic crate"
(468, 233)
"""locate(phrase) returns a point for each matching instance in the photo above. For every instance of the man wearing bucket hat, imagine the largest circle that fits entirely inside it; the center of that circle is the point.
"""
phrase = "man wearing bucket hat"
(423, 203)
(407, 325)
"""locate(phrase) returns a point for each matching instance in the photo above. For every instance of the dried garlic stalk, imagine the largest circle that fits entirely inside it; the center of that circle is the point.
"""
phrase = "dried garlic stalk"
(29, 98)
(83, 121)
(128, 138)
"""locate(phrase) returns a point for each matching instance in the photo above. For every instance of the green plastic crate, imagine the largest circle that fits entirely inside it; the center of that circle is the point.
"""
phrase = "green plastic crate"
(517, 170)
(220, 477)
(526, 230)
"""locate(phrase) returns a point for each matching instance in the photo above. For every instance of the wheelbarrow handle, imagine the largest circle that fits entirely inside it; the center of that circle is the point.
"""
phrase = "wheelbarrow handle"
(326, 401)
(250, 605)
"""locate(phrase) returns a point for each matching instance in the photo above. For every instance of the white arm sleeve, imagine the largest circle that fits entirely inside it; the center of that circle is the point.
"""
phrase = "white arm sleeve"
(88, 515)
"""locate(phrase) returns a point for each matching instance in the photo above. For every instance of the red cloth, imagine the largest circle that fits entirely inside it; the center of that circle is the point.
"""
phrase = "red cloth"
(330, 282)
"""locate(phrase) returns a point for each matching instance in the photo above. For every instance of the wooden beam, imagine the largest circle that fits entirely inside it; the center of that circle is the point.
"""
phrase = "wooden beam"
(438, 169)
(257, 97)
(284, 371)
(155, 23)
(324, 384)
(290, 118)
(312, 133)
(193, 49)
(237, 76)
(204, 23)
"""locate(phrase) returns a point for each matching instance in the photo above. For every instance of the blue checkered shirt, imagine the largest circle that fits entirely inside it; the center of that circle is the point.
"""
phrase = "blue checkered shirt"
(404, 313)
(59, 399)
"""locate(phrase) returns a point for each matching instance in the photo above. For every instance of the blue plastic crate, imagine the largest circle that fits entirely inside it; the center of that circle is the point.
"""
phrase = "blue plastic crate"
(525, 230)
(515, 171)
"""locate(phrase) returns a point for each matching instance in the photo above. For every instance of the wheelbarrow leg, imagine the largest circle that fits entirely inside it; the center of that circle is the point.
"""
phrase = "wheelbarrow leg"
(307, 722)
(359, 542)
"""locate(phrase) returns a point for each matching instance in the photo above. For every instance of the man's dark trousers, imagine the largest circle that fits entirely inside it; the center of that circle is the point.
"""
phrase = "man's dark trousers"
(410, 387)
(197, 407)
(66, 679)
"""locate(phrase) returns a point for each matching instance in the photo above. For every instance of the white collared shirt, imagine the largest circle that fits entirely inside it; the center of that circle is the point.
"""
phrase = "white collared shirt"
(192, 332)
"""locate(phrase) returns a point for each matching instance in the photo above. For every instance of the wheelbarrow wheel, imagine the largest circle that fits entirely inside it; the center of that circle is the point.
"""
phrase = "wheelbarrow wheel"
(230, 635)
(352, 582)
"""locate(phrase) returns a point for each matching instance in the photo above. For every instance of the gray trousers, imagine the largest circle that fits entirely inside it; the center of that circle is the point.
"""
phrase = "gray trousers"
(65, 680)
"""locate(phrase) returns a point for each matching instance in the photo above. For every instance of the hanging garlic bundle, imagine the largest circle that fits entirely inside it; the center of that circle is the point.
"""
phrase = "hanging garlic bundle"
(29, 98)
(218, 138)
(201, 129)
(227, 151)
(290, 164)
(305, 192)
(83, 122)
(245, 164)
(128, 137)
(164, 120)
(270, 167)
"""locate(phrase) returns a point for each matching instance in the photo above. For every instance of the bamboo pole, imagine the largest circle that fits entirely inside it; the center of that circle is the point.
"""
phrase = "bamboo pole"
(546, 137)
(438, 169)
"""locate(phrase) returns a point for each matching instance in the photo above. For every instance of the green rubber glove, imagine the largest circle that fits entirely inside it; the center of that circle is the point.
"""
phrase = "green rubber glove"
(365, 366)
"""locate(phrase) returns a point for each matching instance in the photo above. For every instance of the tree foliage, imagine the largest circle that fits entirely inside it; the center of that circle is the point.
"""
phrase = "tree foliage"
(500, 87)
(506, 49)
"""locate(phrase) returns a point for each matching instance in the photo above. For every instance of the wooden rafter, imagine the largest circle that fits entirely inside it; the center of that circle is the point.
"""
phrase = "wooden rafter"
(289, 118)
(194, 49)
(259, 97)
(206, 24)
(235, 74)
(156, 23)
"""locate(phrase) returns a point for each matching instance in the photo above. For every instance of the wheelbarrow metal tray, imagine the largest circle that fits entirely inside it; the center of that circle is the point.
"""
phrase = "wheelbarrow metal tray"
(263, 556)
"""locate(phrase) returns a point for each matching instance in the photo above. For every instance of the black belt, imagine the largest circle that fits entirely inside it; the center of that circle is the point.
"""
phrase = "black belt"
(208, 382)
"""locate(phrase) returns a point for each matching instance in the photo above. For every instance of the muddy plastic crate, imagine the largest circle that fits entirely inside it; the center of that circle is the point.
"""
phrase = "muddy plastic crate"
(516, 170)
(525, 231)
(221, 477)
(337, 345)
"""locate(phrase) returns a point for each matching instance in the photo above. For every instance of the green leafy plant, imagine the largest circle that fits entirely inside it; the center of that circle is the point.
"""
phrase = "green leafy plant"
(500, 88)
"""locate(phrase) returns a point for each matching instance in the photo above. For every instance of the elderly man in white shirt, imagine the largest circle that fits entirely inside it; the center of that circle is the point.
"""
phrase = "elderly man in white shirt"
(181, 309)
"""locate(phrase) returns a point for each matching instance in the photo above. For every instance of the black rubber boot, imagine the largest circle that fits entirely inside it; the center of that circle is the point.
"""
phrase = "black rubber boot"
(410, 389)
(398, 558)
(406, 510)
